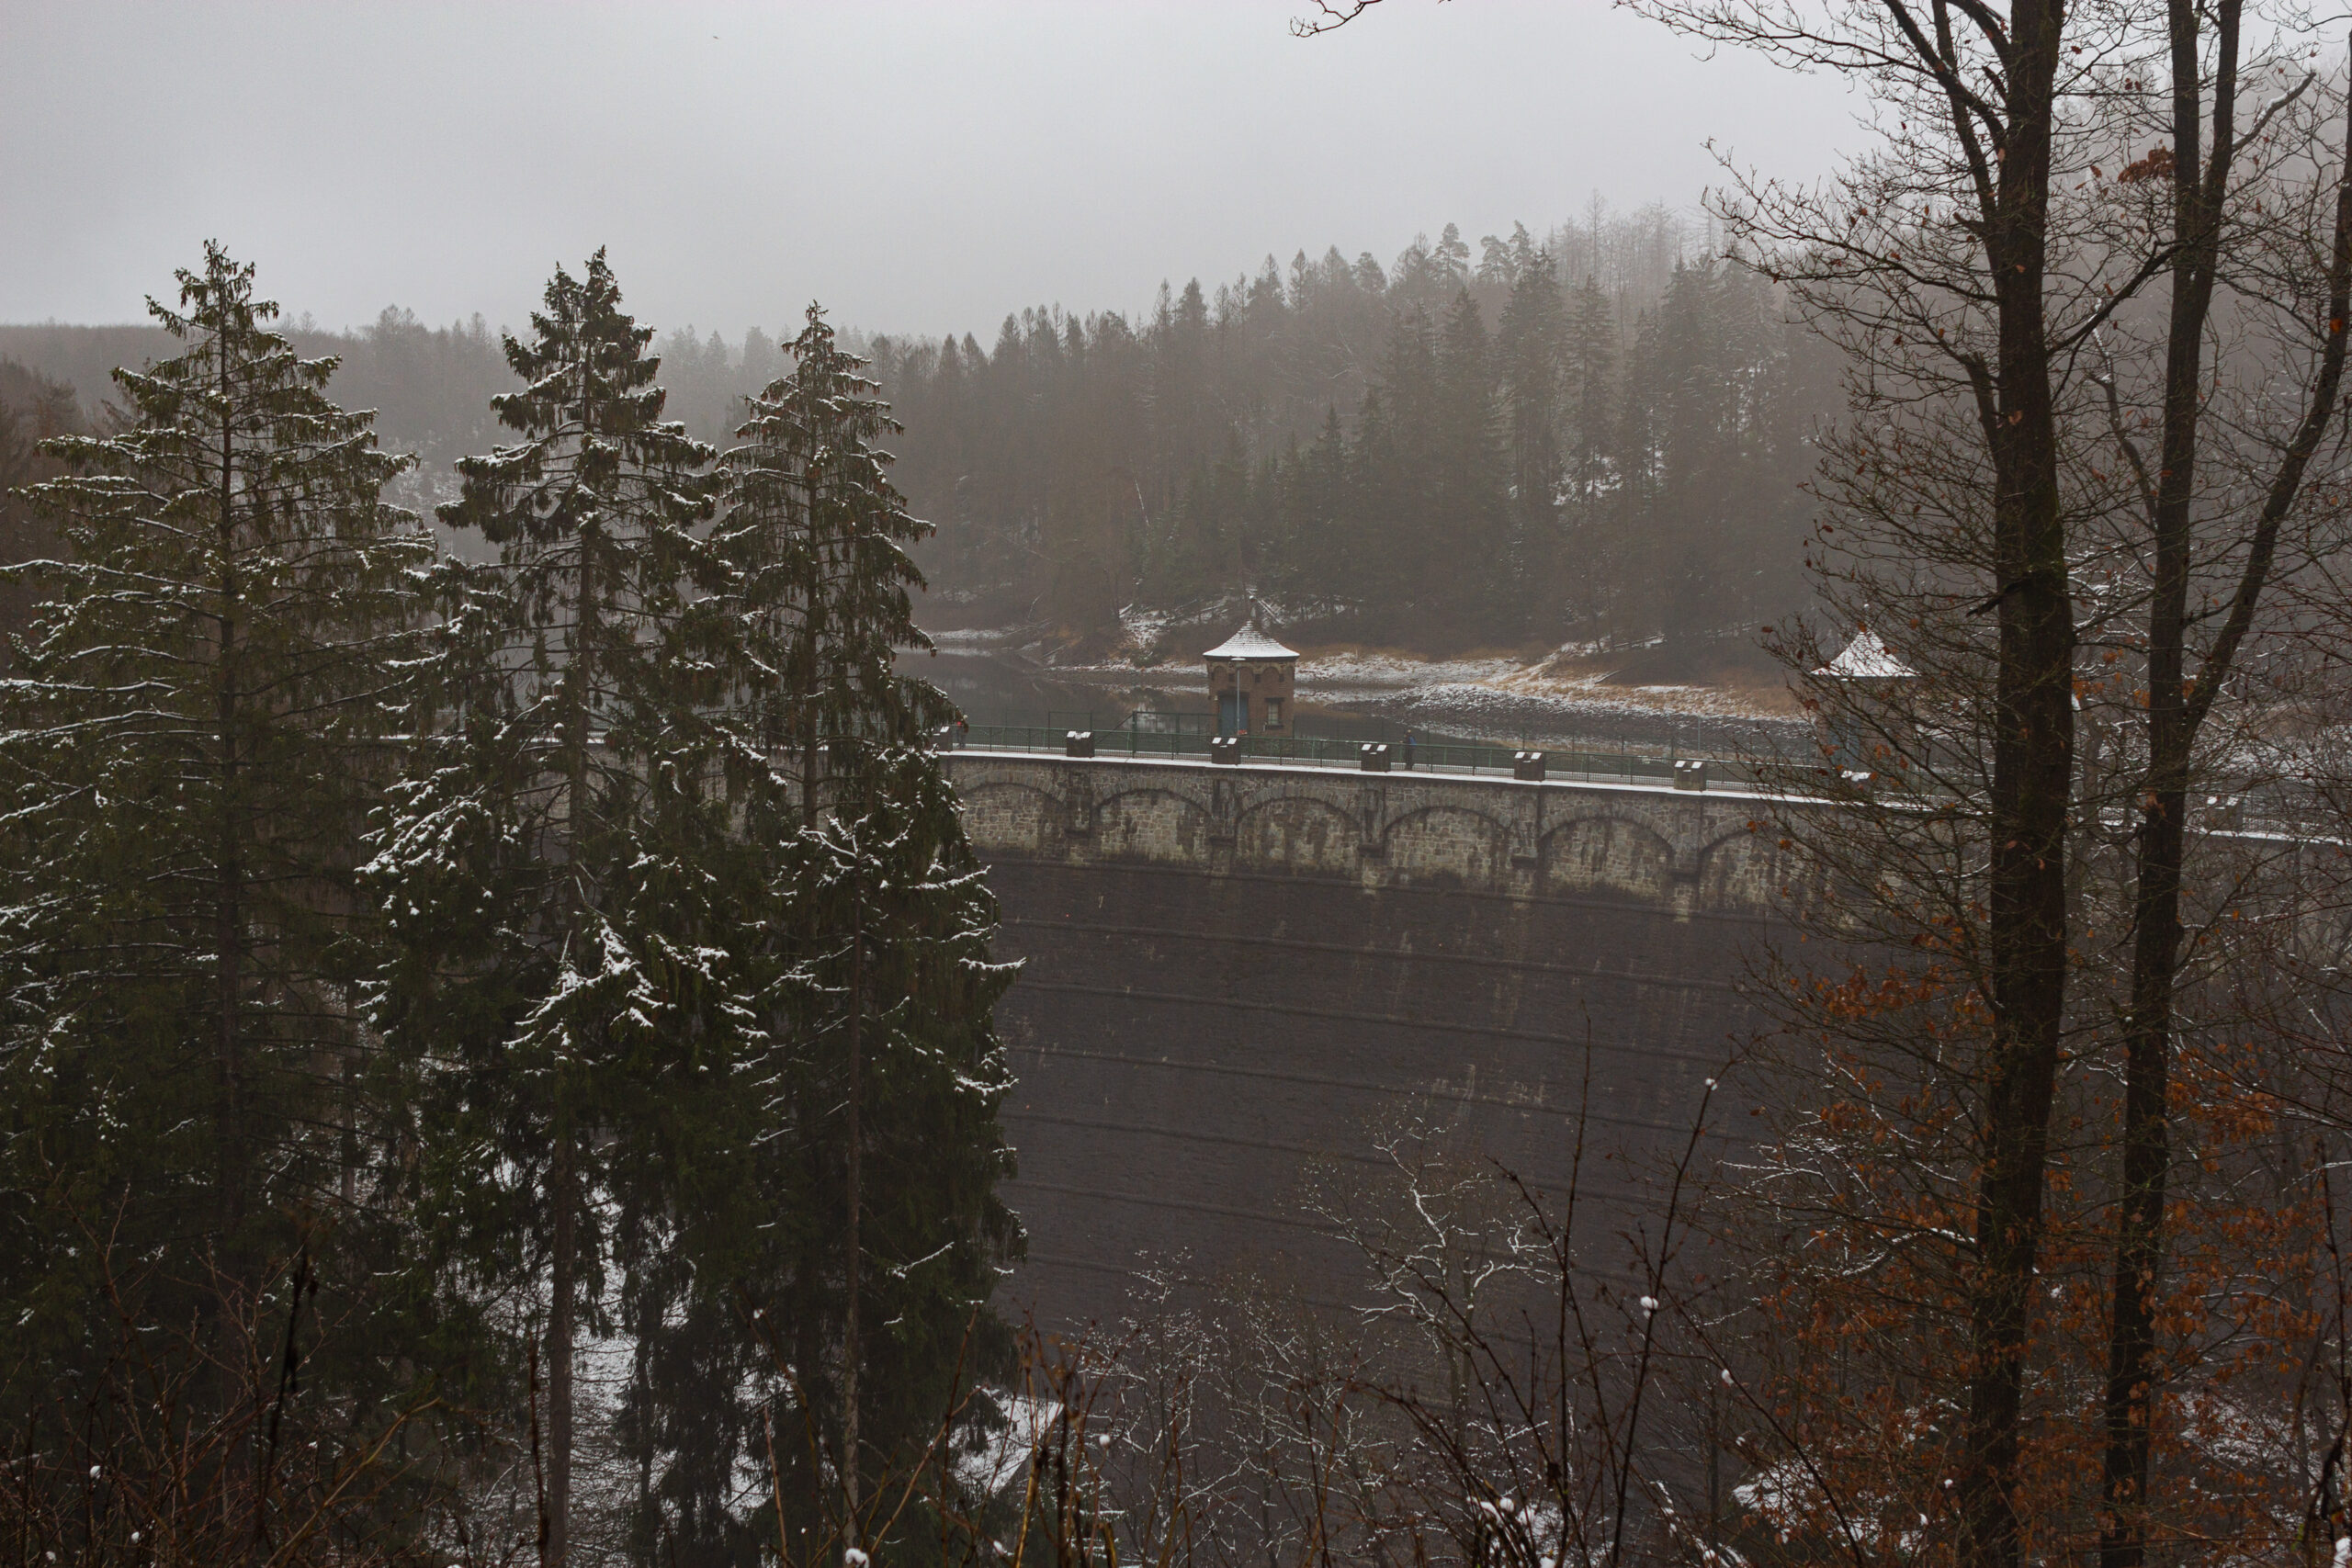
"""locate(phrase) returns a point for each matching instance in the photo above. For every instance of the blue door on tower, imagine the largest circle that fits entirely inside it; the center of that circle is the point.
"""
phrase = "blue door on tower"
(1230, 714)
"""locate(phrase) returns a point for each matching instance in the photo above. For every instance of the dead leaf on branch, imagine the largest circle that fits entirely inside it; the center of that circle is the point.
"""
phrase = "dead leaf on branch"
(2154, 166)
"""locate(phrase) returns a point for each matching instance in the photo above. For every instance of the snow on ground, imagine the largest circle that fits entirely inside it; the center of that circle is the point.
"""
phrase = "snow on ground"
(1592, 717)
(1143, 626)
(1508, 694)
(1506, 713)
(979, 640)
(1503, 685)
(1564, 698)
(1500, 699)
(1392, 670)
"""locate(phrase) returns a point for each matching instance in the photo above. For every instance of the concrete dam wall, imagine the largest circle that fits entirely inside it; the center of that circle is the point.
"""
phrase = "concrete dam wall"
(1231, 972)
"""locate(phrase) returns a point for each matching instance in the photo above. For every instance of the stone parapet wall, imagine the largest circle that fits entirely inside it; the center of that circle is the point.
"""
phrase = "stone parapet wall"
(1684, 851)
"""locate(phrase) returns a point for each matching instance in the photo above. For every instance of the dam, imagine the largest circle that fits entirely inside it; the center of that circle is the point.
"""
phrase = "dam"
(1235, 973)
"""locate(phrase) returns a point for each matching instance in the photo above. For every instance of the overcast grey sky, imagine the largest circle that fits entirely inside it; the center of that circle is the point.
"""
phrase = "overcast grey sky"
(917, 166)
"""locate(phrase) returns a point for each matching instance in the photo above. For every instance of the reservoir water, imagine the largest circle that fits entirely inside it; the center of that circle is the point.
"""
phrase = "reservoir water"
(995, 682)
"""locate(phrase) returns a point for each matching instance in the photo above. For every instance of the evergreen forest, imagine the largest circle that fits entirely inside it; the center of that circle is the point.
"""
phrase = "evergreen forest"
(1595, 438)
(1598, 436)
(484, 1040)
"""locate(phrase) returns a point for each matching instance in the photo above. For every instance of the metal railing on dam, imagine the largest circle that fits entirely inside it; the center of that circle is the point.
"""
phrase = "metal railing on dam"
(1624, 766)
(1235, 976)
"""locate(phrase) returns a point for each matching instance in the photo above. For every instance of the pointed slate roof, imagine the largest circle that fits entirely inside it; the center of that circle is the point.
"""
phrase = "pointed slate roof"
(1250, 643)
(1866, 659)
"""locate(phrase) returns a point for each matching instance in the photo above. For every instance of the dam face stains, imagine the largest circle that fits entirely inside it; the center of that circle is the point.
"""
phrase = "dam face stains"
(1232, 975)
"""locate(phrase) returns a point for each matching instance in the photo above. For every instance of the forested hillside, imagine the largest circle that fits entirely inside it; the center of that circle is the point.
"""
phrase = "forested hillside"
(1434, 455)
(1596, 437)
(33, 409)
(430, 387)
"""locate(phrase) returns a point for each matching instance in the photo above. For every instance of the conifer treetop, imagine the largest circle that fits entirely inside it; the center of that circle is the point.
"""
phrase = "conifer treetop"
(236, 372)
(239, 488)
(590, 413)
(816, 543)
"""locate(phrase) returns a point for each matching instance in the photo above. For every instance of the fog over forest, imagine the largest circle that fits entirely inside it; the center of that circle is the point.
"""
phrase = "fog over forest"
(1589, 435)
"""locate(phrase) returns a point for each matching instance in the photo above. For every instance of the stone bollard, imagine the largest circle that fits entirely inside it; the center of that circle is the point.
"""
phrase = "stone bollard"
(1528, 765)
(1691, 773)
(1226, 749)
(1079, 743)
(1372, 758)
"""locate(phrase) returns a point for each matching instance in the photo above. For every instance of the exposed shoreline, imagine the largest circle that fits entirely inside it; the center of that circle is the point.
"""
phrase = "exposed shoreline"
(1567, 698)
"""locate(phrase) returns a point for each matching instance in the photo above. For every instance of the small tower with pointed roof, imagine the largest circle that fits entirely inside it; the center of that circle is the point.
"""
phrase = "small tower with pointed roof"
(1865, 658)
(1876, 732)
(1252, 680)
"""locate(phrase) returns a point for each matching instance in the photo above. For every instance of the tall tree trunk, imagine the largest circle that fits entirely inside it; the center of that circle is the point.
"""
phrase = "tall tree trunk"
(563, 1182)
(348, 1154)
(563, 1195)
(228, 976)
(2147, 1035)
(2178, 707)
(811, 636)
(853, 1347)
(2033, 778)
(228, 913)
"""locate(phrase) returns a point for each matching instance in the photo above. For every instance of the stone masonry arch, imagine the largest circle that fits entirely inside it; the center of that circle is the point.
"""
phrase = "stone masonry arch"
(1014, 815)
(1608, 852)
(1447, 844)
(1745, 870)
(1152, 823)
(1299, 831)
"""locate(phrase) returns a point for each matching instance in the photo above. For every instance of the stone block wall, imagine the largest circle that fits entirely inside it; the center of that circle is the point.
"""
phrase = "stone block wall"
(1683, 850)
(1235, 977)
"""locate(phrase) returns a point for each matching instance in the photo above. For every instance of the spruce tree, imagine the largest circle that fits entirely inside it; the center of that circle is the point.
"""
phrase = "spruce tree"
(1324, 510)
(1530, 341)
(818, 597)
(204, 707)
(556, 868)
(1588, 394)
(1470, 569)
(880, 1144)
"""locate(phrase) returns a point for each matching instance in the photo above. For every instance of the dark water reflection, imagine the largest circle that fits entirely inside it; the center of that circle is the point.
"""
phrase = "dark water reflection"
(995, 687)
(996, 684)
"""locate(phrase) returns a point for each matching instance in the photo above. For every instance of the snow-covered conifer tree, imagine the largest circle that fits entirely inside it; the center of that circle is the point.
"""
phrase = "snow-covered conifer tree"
(886, 1086)
(555, 866)
(821, 592)
(876, 1130)
(204, 707)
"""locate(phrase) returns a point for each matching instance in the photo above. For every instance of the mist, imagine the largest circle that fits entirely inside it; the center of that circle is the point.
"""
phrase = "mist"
(998, 785)
(920, 167)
